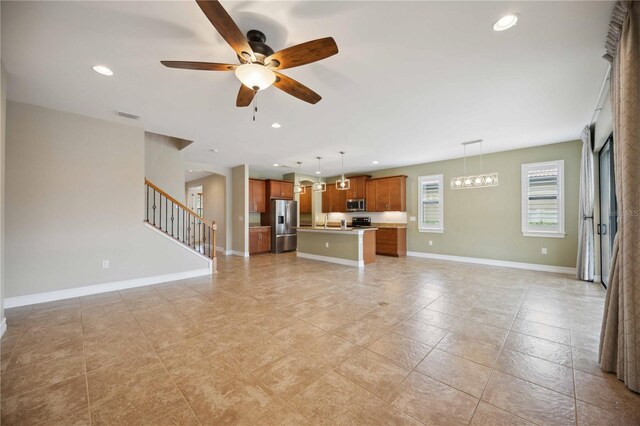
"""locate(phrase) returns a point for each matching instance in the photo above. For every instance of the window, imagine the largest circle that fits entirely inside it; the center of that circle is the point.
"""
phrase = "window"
(430, 204)
(543, 199)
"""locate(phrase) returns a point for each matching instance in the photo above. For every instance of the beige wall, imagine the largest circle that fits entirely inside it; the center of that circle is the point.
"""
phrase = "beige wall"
(486, 223)
(3, 114)
(164, 164)
(213, 192)
(240, 210)
(75, 197)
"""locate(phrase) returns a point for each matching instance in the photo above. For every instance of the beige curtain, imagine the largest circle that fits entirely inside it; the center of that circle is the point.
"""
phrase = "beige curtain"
(620, 335)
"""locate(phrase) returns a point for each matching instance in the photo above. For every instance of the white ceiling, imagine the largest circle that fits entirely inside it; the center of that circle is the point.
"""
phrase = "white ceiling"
(411, 82)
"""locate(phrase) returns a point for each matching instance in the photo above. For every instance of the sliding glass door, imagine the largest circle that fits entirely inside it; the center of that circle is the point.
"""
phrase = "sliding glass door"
(608, 219)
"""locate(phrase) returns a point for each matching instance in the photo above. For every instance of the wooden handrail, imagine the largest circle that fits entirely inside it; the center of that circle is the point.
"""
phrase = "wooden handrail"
(173, 200)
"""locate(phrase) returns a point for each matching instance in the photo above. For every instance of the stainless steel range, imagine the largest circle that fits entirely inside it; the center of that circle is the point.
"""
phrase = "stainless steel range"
(361, 222)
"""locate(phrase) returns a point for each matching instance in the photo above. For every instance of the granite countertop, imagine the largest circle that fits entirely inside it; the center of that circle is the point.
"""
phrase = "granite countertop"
(389, 225)
(334, 229)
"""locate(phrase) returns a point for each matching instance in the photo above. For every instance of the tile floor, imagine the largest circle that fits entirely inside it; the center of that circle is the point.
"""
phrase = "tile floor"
(280, 340)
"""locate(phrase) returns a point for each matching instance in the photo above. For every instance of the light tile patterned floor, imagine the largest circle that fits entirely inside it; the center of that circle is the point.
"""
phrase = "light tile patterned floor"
(279, 340)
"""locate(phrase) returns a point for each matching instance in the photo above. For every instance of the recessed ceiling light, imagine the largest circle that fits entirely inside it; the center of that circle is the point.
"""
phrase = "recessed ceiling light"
(276, 164)
(318, 172)
(276, 125)
(375, 162)
(101, 69)
(506, 22)
(214, 150)
(190, 171)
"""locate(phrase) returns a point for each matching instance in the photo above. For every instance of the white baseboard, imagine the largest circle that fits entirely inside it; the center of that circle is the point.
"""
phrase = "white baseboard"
(50, 296)
(3, 326)
(597, 279)
(239, 253)
(492, 262)
(224, 251)
(346, 262)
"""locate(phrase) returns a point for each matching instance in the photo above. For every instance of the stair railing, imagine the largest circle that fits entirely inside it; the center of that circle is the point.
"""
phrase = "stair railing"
(178, 221)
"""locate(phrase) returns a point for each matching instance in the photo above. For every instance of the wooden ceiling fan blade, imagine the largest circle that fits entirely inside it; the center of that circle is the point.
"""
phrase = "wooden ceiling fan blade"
(227, 28)
(245, 96)
(296, 89)
(203, 66)
(302, 54)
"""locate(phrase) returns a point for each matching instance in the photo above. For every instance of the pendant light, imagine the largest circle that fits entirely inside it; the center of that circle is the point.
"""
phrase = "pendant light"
(297, 188)
(342, 184)
(319, 186)
(483, 180)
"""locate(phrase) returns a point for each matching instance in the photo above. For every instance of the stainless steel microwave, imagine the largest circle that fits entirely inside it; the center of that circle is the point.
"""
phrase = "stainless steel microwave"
(356, 205)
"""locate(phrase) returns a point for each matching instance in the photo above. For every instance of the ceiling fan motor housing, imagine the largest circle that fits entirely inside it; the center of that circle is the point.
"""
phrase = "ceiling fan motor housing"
(256, 40)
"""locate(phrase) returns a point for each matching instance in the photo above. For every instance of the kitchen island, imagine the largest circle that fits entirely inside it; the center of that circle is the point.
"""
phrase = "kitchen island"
(350, 246)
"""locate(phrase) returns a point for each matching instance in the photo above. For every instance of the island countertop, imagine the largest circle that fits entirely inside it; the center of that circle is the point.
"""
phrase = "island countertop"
(334, 230)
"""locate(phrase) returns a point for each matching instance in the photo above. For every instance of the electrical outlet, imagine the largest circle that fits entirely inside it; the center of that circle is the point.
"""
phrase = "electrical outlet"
(105, 264)
(326, 245)
(412, 218)
(430, 242)
(544, 250)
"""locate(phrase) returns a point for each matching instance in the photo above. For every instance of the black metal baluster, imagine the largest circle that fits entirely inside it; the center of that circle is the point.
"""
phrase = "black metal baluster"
(154, 207)
(166, 215)
(173, 209)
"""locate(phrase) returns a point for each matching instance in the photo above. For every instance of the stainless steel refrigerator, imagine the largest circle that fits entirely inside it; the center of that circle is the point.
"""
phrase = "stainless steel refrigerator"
(284, 220)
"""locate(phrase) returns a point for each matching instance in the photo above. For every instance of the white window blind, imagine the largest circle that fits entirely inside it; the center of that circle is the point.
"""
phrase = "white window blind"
(543, 199)
(431, 204)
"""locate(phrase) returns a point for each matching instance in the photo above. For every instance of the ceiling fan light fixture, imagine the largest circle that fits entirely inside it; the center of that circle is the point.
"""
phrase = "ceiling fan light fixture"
(255, 76)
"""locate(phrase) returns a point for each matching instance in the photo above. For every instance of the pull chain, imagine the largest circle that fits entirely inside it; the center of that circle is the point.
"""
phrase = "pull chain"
(255, 104)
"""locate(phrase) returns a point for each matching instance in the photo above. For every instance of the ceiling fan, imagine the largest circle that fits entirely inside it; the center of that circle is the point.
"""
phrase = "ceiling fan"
(259, 65)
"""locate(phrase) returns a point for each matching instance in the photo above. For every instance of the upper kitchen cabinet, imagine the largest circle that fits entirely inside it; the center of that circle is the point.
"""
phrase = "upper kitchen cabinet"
(333, 200)
(305, 200)
(357, 187)
(387, 194)
(279, 189)
(257, 196)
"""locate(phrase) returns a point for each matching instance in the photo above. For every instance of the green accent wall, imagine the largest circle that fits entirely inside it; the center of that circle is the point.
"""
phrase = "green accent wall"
(486, 223)
(343, 246)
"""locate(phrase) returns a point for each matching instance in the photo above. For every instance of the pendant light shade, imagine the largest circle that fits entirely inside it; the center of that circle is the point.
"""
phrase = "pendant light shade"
(319, 186)
(343, 184)
(297, 188)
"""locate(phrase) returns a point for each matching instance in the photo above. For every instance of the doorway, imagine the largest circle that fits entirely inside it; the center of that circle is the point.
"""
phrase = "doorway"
(608, 216)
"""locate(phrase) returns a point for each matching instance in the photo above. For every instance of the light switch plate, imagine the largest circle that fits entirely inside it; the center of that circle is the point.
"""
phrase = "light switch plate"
(412, 218)
(105, 264)
(326, 245)
(430, 242)
(544, 250)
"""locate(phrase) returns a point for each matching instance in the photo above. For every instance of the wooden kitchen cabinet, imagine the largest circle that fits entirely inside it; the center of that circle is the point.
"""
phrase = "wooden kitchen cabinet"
(279, 189)
(333, 200)
(305, 200)
(387, 194)
(259, 239)
(257, 196)
(391, 241)
(357, 187)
